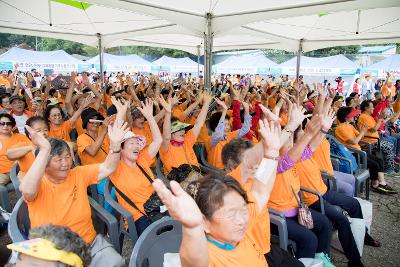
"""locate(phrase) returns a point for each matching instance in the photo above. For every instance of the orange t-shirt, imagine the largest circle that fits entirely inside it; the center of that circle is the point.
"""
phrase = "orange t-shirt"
(25, 162)
(396, 106)
(386, 91)
(134, 184)
(66, 204)
(370, 122)
(248, 252)
(5, 82)
(282, 197)
(79, 127)
(83, 141)
(145, 131)
(62, 131)
(178, 110)
(261, 234)
(323, 156)
(214, 153)
(345, 132)
(310, 177)
(6, 143)
(203, 135)
(175, 156)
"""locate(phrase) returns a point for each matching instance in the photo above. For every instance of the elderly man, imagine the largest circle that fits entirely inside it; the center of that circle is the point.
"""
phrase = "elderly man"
(58, 195)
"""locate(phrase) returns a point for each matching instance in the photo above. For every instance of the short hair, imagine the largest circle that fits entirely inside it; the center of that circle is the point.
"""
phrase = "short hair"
(342, 113)
(63, 239)
(33, 120)
(58, 146)
(353, 94)
(211, 190)
(48, 110)
(8, 116)
(364, 105)
(214, 120)
(52, 91)
(4, 95)
(232, 152)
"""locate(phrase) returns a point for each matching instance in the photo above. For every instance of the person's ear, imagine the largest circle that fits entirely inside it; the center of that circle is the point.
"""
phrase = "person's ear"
(207, 225)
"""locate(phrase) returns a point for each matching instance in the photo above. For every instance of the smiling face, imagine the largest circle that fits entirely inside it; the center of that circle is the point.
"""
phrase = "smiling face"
(55, 116)
(178, 136)
(138, 123)
(59, 166)
(5, 126)
(130, 151)
(40, 127)
(229, 223)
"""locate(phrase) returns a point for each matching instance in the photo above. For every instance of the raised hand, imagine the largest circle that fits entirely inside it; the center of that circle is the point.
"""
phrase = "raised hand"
(207, 97)
(269, 115)
(327, 120)
(120, 104)
(180, 205)
(38, 138)
(117, 131)
(88, 100)
(85, 79)
(147, 108)
(270, 134)
(297, 116)
(167, 106)
(314, 125)
(221, 103)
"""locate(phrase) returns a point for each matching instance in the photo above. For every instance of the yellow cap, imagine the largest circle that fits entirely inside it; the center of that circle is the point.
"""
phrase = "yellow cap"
(43, 249)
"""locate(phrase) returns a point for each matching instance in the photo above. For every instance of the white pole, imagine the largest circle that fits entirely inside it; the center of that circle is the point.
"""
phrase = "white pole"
(198, 60)
(208, 42)
(101, 62)
(298, 59)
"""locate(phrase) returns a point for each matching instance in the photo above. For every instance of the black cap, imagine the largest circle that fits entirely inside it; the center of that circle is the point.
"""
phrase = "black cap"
(15, 97)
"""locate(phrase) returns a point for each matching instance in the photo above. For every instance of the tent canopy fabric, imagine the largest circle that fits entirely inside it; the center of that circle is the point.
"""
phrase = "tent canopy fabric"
(121, 63)
(181, 24)
(333, 65)
(171, 64)
(391, 63)
(58, 60)
(248, 63)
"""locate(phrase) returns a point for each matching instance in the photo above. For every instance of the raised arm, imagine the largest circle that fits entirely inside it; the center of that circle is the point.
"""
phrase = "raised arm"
(193, 251)
(166, 135)
(29, 186)
(147, 111)
(95, 147)
(88, 100)
(190, 108)
(219, 132)
(201, 119)
(68, 96)
(116, 133)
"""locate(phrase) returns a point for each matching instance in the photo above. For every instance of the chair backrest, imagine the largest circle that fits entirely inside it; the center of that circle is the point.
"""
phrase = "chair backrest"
(162, 236)
(19, 223)
(159, 168)
(14, 178)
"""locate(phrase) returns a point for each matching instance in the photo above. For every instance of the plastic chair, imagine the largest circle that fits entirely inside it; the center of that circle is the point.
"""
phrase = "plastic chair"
(362, 174)
(15, 180)
(201, 155)
(124, 217)
(162, 236)
(159, 168)
(19, 224)
(4, 198)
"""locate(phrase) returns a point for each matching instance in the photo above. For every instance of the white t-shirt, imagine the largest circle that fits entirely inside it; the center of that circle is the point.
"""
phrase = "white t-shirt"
(21, 121)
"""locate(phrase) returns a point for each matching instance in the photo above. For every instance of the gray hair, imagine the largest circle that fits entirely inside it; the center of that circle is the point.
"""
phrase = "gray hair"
(64, 239)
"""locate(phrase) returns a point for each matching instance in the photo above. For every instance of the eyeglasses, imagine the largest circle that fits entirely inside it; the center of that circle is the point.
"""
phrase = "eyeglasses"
(4, 123)
(56, 115)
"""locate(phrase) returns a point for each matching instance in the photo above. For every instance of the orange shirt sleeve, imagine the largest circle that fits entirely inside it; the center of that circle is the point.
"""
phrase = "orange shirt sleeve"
(343, 134)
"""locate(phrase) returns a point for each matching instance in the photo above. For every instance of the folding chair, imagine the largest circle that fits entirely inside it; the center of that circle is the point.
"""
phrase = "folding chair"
(162, 236)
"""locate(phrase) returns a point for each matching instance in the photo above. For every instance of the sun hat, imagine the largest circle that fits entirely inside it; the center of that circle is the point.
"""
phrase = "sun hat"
(141, 139)
(178, 125)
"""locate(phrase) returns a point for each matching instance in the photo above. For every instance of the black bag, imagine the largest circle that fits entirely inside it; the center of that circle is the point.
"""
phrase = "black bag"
(152, 206)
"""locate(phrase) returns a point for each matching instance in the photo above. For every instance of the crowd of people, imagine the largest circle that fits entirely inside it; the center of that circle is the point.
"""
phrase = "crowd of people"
(264, 138)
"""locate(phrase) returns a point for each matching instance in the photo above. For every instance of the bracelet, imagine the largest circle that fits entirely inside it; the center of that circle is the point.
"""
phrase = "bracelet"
(288, 131)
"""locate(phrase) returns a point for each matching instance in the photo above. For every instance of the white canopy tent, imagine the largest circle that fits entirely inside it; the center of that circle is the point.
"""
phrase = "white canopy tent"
(175, 65)
(213, 25)
(325, 66)
(58, 61)
(121, 63)
(389, 64)
(249, 63)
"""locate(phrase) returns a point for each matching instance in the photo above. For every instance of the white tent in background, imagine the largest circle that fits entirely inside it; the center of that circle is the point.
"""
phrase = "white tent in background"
(175, 65)
(58, 61)
(121, 63)
(249, 63)
(391, 64)
(209, 24)
(323, 66)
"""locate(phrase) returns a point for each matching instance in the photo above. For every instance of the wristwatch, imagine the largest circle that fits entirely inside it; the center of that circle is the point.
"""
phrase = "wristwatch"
(115, 151)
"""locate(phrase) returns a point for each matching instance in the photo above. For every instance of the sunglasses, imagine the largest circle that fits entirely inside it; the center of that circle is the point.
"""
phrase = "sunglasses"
(8, 123)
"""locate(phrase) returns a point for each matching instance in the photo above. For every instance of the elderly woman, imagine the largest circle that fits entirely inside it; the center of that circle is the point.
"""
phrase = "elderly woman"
(220, 226)
(57, 194)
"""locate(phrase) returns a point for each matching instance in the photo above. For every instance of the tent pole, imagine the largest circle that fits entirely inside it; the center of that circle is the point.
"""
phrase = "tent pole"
(208, 42)
(298, 59)
(198, 60)
(101, 62)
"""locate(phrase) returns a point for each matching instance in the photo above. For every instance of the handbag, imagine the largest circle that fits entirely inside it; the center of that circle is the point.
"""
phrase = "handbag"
(153, 207)
(304, 216)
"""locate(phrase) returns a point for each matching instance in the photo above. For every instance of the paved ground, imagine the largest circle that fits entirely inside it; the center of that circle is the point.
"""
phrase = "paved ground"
(385, 228)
